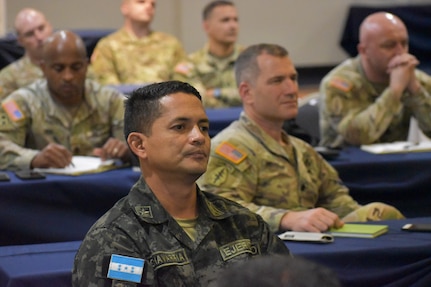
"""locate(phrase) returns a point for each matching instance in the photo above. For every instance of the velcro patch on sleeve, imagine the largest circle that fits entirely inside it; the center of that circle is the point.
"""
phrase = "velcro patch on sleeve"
(230, 152)
(12, 110)
(183, 68)
(341, 84)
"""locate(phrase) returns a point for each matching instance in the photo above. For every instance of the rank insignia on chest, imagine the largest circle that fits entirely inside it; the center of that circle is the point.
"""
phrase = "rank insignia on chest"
(125, 268)
(230, 152)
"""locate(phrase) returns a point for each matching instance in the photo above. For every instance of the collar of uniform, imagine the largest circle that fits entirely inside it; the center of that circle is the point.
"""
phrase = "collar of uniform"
(124, 35)
(146, 206)
(211, 59)
(260, 135)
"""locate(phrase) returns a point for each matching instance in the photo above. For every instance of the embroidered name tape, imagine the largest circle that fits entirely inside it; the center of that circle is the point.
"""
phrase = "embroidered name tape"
(125, 268)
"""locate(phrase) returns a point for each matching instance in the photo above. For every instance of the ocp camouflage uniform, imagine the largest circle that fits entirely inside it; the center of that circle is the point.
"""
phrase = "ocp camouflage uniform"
(250, 167)
(354, 111)
(205, 71)
(30, 120)
(121, 58)
(138, 226)
(21, 73)
(18, 74)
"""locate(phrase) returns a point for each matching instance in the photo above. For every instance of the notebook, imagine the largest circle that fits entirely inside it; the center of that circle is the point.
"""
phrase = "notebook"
(359, 230)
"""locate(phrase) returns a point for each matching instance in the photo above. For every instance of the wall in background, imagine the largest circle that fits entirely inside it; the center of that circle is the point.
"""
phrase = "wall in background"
(309, 29)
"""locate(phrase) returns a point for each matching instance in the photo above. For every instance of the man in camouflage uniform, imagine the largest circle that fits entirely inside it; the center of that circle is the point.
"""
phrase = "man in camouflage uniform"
(32, 29)
(210, 69)
(176, 234)
(280, 177)
(135, 54)
(45, 123)
(371, 98)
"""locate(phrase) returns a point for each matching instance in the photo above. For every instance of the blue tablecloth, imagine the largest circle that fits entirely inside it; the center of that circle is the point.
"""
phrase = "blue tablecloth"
(63, 208)
(402, 180)
(398, 258)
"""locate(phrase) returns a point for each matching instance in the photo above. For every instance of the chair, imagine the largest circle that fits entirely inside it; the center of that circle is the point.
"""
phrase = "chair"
(308, 116)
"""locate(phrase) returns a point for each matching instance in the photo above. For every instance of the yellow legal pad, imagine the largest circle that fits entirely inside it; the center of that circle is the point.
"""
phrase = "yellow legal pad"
(359, 230)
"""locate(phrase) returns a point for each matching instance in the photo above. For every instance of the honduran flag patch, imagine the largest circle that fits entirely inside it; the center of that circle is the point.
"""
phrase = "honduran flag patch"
(126, 268)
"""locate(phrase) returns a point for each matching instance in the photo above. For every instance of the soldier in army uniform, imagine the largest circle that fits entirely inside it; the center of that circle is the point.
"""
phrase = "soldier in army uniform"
(280, 177)
(166, 229)
(135, 54)
(210, 69)
(45, 123)
(371, 98)
(32, 29)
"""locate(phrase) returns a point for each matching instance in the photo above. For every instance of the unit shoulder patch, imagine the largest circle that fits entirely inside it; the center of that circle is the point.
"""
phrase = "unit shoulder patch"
(341, 84)
(230, 152)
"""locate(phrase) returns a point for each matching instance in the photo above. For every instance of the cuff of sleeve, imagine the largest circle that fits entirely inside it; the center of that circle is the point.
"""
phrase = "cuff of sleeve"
(25, 158)
(275, 219)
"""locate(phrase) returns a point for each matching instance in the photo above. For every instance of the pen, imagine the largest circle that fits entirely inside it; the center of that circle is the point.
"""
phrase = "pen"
(57, 141)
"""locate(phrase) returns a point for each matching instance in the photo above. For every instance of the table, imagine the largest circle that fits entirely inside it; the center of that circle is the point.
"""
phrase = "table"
(402, 180)
(58, 208)
(398, 258)
(417, 19)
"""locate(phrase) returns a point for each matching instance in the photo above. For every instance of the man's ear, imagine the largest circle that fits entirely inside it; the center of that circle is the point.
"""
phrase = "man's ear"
(244, 90)
(136, 143)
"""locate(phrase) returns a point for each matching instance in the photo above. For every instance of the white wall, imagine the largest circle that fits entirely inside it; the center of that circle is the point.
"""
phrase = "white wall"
(309, 29)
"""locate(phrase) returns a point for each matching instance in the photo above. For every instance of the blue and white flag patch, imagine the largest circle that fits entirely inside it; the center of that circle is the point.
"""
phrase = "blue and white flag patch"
(126, 268)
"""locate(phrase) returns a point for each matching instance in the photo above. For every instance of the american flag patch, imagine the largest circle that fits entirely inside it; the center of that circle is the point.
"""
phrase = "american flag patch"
(183, 68)
(13, 110)
(230, 152)
(341, 84)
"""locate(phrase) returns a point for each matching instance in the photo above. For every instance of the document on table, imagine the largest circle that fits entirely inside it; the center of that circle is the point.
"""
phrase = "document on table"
(397, 147)
(82, 165)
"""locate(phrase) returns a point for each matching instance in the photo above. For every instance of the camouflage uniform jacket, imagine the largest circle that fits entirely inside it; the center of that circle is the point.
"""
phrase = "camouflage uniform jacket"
(30, 120)
(248, 166)
(121, 58)
(18, 74)
(138, 226)
(355, 111)
(205, 71)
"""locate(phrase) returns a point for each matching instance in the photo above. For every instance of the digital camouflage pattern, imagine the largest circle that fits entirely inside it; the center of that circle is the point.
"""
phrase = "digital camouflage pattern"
(18, 74)
(250, 167)
(138, 226)
(205, 71)
(30, 120)
(354, 111)
(121, 58)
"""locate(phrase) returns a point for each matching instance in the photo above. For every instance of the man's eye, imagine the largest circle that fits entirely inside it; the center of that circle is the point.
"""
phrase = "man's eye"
(205, 128)
(178, 127)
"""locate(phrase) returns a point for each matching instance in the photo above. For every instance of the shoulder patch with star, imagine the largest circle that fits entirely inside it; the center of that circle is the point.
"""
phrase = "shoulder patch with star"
(12, 110)
(341, 84)
(230, 152)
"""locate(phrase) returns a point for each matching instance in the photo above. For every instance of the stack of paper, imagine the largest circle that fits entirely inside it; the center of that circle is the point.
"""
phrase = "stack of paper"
(82, 165)
(397, 147)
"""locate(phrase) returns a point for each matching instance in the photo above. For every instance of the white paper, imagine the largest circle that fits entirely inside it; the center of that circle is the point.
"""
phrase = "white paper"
(397, 147)
(81, 164)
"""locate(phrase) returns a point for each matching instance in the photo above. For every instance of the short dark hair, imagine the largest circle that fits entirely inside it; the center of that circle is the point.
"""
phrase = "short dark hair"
(143, 107)
(278, 271)
(212, 5)
(246, 66)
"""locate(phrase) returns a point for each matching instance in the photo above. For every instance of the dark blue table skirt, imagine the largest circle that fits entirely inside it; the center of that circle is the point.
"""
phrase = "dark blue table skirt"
(398, 258)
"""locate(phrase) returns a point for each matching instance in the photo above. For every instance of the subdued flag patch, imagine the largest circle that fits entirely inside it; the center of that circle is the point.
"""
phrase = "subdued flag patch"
(183, 68)
(126, 268)
(13, 110)
(341, 84)
(230, 152)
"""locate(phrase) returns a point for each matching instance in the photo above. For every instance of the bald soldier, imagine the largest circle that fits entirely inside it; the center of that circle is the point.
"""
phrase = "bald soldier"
(32, 28)
(210, 69)
(136, 54)
(47, 122)
(371, 98)
(276, 175)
